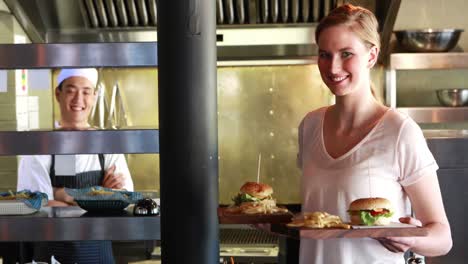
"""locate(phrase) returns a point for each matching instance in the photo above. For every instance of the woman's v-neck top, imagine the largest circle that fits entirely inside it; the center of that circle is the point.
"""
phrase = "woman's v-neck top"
(392, 155)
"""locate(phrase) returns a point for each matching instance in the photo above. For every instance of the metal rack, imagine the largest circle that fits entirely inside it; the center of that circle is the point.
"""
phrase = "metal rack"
(142, 54)
(53, 224)
(49, 224)
(426, 61)
(187, 118)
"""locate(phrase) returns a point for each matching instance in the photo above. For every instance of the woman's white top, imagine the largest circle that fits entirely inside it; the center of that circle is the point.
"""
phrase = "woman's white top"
(33, 171)
(394, 154)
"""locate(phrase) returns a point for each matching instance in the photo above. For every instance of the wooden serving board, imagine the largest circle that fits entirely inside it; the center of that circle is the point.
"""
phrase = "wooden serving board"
(238, 218)
(326, 233)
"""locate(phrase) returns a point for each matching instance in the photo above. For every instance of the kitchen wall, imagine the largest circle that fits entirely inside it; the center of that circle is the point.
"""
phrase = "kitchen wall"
(12, 101)
(259, 111)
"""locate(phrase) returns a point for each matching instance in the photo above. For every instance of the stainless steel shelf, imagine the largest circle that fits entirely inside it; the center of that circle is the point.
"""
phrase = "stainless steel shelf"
(436, 134)
(427, 61)
(436, 114)
(30, 56)
(79, 142)
(53, 224)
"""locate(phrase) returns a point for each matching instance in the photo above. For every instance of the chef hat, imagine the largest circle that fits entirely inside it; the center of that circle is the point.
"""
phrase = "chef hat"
(89, 73)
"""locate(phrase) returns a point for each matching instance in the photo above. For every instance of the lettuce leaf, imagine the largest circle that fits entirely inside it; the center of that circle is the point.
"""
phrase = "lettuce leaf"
(244, 198)
(369, 219)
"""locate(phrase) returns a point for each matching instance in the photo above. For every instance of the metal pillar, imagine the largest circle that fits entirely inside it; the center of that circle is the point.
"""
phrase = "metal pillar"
(188, 131)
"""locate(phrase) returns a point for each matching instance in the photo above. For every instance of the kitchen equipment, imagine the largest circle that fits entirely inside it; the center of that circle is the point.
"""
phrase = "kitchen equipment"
(415, 260)
(246, 245)
(100, 107)
(145, 207)
(118, 117)
(242, 244)
(428, 40)
(453, 97)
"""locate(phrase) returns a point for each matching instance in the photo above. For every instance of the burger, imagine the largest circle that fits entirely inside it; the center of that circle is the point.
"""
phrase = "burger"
(370, 211)
(255, 198)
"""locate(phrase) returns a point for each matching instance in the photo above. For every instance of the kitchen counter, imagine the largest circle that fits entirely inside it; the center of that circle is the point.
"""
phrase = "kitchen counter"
(74, 223)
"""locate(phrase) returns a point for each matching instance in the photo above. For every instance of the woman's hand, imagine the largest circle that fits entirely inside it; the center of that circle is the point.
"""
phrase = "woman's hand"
(113, 180)
(400, 244)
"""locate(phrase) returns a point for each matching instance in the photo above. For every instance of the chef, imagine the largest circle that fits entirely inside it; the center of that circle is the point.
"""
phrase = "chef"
(76, 95)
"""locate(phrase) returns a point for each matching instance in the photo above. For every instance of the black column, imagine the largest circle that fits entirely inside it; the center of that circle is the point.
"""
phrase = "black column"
(188, 131)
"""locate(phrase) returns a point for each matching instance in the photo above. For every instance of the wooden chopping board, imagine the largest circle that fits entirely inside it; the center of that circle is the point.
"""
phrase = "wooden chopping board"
(392, 230)
(238, 218)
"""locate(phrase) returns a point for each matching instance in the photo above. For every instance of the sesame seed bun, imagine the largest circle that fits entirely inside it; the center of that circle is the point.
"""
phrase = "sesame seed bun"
(259, 190)
(370, 204)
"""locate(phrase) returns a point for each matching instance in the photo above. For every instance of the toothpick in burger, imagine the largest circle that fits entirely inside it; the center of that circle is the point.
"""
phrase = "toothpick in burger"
(375, 211)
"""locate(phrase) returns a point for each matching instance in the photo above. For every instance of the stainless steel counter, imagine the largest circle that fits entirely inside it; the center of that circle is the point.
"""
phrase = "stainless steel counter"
(71, 142)
(445, 133)
(436, 114)
(73, 223)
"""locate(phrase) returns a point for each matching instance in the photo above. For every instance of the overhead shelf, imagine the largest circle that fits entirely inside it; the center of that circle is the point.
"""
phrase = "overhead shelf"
(79, 142)
(143, 54)
(436, 114)
(428, 61)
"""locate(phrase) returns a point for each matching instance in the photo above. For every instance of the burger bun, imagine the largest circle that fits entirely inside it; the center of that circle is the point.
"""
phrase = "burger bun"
(258, 190)
(370, 204)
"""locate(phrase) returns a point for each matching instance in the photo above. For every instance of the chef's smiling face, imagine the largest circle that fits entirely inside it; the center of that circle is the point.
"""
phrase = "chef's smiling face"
(344, 59)
(76, 97)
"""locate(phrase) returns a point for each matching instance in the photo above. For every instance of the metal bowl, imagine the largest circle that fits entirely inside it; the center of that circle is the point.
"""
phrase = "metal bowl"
(453, 97)
(428, 40)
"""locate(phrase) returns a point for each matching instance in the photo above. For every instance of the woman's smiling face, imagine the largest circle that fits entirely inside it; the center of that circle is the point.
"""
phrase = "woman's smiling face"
(344, 60)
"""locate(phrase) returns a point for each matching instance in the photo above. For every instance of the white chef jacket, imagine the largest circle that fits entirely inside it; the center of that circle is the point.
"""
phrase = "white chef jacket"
(33, 171)
(394, 154)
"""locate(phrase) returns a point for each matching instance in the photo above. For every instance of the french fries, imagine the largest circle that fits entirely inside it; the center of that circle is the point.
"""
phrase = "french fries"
(318, 220)
(12, 196)
(96, 192)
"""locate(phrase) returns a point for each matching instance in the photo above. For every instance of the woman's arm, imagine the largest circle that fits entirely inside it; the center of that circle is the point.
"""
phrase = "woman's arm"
(426, 201)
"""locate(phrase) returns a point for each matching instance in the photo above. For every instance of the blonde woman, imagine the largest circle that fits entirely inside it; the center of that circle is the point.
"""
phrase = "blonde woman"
(360, 148)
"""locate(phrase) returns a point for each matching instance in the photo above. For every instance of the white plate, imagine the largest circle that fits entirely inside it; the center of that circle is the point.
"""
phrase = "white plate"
(391, 225)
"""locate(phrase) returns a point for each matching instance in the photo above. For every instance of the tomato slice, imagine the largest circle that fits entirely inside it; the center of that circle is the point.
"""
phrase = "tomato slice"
(375, 213)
